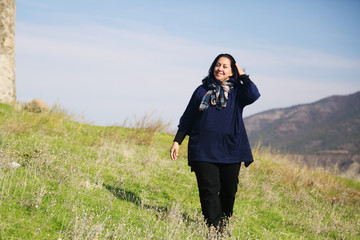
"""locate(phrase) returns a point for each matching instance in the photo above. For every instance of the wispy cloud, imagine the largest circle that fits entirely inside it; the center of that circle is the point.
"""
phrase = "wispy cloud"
(109, 74)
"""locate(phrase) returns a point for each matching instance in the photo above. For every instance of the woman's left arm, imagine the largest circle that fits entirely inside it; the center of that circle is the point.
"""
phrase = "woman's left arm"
(249, 91)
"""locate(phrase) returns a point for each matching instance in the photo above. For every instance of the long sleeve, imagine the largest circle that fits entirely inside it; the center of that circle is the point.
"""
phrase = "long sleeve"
(179, 137)
(189, 115)
(249, 91)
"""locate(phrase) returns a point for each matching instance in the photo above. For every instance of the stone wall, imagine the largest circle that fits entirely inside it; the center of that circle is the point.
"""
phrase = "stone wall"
(7, 51)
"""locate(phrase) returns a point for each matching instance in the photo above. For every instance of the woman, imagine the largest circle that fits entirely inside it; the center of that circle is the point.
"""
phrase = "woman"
(218, 142)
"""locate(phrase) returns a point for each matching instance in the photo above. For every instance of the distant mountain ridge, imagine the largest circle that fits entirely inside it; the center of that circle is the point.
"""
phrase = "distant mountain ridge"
(331, 124)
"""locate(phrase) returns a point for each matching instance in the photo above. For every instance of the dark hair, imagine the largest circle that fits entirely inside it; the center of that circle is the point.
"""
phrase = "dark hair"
(233, 67)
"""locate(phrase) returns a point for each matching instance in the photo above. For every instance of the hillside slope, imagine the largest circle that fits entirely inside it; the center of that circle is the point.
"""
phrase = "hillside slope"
(331, 124)
(60, 179)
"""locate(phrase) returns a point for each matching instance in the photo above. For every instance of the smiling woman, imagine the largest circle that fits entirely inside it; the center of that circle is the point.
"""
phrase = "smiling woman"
(222, 71)
(218, 142)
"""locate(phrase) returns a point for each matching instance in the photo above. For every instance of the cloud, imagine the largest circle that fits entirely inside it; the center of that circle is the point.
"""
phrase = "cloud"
(284, 92)
(292, 56)
(103, 65)
(110, 74)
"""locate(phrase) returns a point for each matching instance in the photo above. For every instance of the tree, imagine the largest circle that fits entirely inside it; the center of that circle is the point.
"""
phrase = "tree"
(7, 51)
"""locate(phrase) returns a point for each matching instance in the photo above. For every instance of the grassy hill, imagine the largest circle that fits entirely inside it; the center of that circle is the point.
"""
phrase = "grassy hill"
(78, 181)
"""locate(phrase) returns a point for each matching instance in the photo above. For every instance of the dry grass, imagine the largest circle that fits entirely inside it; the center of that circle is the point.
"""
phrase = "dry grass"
(78, 181)
(142, 130)
(311, 200)
(342, 164)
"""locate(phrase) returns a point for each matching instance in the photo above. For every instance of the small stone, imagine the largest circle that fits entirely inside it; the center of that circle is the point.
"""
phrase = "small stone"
(15, 164)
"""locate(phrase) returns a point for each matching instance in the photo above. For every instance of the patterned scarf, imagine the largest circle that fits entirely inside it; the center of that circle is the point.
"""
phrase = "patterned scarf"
(217, 95)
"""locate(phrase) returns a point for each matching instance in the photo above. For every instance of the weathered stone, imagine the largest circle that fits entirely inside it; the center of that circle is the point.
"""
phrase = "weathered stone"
(7, 51)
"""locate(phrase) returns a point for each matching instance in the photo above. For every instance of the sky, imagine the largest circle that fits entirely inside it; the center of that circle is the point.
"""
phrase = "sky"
(107, 61)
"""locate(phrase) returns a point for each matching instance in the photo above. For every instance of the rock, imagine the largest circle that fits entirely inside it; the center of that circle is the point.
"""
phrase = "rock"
(15, 164)
(37, 106)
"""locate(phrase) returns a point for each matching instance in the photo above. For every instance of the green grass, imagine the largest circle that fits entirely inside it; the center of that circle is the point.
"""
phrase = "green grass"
(78, 181)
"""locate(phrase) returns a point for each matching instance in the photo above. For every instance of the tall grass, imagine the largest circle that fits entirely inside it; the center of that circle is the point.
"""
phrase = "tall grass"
(142, 130)
(78, 181)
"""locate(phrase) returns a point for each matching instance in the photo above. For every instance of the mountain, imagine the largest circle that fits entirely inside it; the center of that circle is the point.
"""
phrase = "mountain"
(330, 125)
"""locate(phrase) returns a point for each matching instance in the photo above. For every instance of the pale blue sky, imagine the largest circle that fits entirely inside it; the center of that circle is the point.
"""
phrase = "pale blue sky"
(109, 60)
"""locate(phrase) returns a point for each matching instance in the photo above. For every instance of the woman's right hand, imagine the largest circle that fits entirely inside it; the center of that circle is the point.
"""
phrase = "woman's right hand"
(174, 151)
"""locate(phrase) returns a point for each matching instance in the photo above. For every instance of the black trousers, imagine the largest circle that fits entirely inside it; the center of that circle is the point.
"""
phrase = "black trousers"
(217, 185)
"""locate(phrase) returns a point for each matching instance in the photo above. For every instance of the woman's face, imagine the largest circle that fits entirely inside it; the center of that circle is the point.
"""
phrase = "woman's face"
(222, 70)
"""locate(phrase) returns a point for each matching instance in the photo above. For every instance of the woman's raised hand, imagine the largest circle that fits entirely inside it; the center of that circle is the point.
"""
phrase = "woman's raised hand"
(240, 70)
(174, 151)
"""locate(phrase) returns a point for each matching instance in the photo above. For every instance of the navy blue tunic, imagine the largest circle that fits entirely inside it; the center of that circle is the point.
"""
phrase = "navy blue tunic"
(218, 135)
